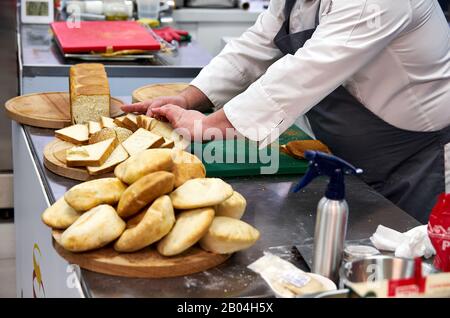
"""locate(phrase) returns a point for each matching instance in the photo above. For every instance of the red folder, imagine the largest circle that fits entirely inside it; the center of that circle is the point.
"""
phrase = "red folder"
(98, 36)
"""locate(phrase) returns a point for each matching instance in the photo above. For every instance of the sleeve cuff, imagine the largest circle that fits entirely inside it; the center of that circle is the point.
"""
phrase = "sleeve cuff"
(256, 116)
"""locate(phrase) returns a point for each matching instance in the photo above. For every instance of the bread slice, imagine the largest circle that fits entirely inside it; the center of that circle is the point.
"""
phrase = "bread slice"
(119, 122)
(90, 155)
(165, 130)
(103, 134)
(145, 122)
(130, 121)
(228, 235)
(76, 134)
(189, 228)
(107, 122)
(122, 133)
(141, 140)
(89, 93)
(168, 144)
(93, 127)
(93, 229)
(117, 156)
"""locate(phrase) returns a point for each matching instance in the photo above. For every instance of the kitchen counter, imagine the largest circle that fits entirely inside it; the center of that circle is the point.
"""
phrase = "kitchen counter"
(40, 56)
(285, 219)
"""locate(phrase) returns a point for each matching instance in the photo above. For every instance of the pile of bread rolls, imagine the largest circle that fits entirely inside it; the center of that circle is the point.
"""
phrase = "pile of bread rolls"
(158, 196)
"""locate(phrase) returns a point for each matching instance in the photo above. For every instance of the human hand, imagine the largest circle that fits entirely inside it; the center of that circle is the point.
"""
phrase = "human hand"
(147, 106)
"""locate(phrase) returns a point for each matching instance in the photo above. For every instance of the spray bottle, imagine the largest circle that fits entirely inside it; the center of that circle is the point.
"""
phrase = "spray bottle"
(332, 211)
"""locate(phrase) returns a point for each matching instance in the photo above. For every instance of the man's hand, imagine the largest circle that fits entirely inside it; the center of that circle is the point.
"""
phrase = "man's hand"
(146, 107)
(194, 123)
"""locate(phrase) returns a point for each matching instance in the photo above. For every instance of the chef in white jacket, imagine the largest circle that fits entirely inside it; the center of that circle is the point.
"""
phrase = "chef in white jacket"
(369, 78)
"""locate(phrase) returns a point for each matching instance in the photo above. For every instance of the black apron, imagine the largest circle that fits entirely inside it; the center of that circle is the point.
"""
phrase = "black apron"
(407, 167)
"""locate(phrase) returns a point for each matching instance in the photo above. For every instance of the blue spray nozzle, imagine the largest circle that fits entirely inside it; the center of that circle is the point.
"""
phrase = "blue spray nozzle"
(322, 164)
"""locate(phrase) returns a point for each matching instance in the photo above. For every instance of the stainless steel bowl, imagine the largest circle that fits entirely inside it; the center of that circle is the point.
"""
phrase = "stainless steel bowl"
(380, 267)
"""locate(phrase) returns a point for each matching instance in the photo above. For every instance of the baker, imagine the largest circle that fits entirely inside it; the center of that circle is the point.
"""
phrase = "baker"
(369, 78)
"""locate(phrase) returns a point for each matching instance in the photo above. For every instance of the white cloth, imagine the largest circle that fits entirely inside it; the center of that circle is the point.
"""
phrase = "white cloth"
(394, 56)
(411, 244)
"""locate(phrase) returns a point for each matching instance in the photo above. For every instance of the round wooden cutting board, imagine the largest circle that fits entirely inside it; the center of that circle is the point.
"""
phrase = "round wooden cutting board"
(146, 263)
(55, 161)
(157, 90)
(47, 110)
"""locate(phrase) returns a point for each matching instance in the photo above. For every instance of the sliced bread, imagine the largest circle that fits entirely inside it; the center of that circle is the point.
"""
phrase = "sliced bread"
(76, 134)
(117, 156)
(90, 155)
(107, 122)
(141, 140)
(94, 126)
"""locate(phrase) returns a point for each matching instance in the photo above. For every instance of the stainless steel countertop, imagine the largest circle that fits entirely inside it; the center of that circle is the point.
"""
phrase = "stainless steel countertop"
(41, 57)
(284, 219)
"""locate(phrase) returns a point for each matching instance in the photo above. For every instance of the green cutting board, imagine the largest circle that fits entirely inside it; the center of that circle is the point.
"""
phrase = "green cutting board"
(231, 158)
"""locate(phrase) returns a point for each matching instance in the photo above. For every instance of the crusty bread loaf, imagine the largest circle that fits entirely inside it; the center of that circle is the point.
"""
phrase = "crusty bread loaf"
(143, 163)
(200, 192)
(190, 226)
(91, 155)
(186, 166)
(144, 191)
(141, 140)
(89, 93)
(94, 229)
(148, 227)
(87, 195)
(117, 156)
(233, 207)
(60, 215)
(228, 235)
(76, 134)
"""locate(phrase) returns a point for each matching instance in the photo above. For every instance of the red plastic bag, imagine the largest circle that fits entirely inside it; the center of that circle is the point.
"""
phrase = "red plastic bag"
(439, 232)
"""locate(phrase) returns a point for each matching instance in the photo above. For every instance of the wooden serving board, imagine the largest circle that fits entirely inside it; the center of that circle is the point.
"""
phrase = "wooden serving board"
(47, 110)
(146, 263)
(157, 90)
(55, 161)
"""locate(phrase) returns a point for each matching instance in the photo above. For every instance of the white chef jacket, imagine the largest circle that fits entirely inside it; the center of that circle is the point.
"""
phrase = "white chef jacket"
(392, 55)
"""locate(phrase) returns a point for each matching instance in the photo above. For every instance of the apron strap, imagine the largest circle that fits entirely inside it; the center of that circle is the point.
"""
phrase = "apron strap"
(289, 5)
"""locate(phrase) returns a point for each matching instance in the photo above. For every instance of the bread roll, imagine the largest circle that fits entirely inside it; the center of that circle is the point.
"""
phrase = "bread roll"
(87, 195)
(144, 191)
(94, 229)
(186, 166)
(233, 207)
(148, 227)
(201, 192)
(227, 235)
(89, 93)
(189, 227)
(143, 163)
(60, 215)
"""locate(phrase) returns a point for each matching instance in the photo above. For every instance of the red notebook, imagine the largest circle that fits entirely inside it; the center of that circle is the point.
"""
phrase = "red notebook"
(99, 35)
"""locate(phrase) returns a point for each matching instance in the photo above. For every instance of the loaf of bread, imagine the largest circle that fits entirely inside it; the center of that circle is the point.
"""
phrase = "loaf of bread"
(190, 226)
(89, 93)
(228, 235)
(147, 227)
(144, 191)
(87, 195)
(93, 229)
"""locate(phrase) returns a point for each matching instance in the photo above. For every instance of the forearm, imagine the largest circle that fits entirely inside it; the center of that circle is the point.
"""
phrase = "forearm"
(196, 99)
